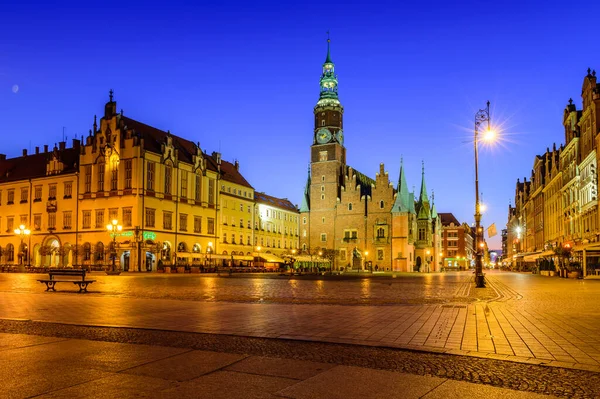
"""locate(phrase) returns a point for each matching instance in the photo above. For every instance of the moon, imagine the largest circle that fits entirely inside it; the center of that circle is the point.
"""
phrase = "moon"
(15, 89)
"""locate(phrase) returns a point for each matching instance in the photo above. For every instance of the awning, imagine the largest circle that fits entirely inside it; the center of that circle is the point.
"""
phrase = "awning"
(271, 258)
(242, 257)
(531, 257)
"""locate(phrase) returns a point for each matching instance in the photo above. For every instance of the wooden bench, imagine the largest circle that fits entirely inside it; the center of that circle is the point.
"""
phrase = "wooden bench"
(51, 282)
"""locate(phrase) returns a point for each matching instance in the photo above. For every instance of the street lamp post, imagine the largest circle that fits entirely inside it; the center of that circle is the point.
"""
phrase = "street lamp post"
(114, 228)
(23, 232)
(482, 116)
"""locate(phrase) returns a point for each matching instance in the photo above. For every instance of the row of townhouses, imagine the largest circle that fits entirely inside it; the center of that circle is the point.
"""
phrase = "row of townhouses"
(556, 210)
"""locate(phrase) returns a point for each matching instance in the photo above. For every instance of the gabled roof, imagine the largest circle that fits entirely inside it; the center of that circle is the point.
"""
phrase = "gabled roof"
(363, 180)
(154, 138)
(282, 203)
(230, 173)
(34, 166)
(448, 218)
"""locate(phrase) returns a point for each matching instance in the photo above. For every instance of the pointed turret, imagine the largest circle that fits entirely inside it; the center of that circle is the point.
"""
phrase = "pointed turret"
(434, 213)
(305, 207)
(402, 202)
(423, 206)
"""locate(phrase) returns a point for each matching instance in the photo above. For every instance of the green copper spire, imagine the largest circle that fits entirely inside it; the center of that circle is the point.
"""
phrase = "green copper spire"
(434, 213)
(328, 59)
(423, 206)
(328, 81)
(402, 202)
(305, 207)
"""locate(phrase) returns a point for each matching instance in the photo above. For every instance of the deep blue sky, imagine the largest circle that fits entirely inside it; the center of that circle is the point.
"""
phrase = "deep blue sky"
(243, 78)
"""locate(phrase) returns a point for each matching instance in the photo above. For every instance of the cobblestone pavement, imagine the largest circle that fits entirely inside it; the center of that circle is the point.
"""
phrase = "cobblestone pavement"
(519, 317)
(302, 359)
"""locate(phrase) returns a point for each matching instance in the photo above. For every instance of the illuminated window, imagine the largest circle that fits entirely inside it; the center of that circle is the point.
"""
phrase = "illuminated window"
(323, 156)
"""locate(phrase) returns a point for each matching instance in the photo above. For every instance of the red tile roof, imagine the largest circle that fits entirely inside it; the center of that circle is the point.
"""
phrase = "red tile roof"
(276, 202)
(448, 218)
(34, 166)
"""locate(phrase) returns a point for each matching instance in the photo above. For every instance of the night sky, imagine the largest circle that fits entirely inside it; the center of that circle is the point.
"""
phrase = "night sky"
(243, 78)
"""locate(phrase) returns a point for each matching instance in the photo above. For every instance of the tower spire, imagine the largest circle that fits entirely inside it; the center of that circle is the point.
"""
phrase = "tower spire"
(328, 59)
(402, 202)
(328, 81)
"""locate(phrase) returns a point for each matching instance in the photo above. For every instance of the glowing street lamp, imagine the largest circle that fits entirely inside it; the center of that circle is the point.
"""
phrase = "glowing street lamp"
(114, 228)
(481, 117)
(23, 232)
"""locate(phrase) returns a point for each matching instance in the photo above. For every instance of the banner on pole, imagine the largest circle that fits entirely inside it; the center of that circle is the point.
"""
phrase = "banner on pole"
(492, 230)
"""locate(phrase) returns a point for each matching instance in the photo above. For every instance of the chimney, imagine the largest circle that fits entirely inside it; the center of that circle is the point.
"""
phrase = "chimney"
(76, 143)
(2, 157)
(62, 145)
(45, 147)
(24, 152)
(37, 150)
(237, 165)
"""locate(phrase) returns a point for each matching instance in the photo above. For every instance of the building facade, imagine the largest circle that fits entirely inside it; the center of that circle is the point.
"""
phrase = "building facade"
(561, 199)
(364, 223)
(177, 205)
(457, 243)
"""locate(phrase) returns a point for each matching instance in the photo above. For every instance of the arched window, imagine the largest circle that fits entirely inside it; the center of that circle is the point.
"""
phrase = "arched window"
(381, 204)
(10, 253)
(196, 248)
(350, 206)
(87, 251)
(100, 251)
(380, 232)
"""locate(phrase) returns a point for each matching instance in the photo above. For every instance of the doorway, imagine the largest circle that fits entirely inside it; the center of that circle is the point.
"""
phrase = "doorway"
(418, 265)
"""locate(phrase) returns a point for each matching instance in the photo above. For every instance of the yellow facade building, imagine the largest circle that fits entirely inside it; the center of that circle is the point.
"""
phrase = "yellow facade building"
(177, 205)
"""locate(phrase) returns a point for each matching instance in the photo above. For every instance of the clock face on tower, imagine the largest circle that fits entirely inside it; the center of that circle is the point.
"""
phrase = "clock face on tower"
(339, 135)
(323, 136)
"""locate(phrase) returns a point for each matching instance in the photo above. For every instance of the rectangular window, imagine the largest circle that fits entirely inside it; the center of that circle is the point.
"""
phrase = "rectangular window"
(37, 221)
(101, 171)
(11, 197)
(241, 222)
(323, 237)
(225, 238)
(249, 209)
(114, 176)
(183, 222)
(24, 220)
(342, 254)
(198, 191)
(127, 217)
(241, 207)
(211, 192)
(380, 254)
(10, 224)
(87, 219)
(100, 219)
(210, 228)
(167, 220)
(128, 173)
(197, 224)
(24, 195)
(184, 182)
(113, 214)
(150, 176)
(323, 156)
(88, 179)
(150, 213)
(51, 221)
(68, 189)
(168, 175)
(52, 192)
(67, 220)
